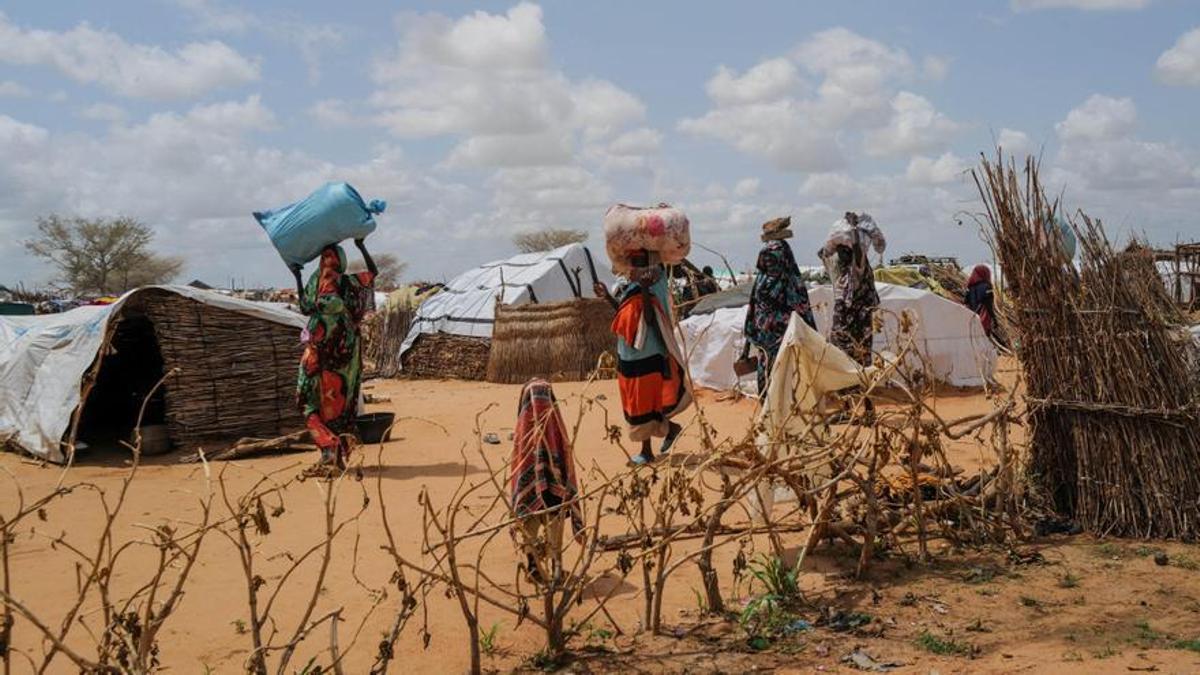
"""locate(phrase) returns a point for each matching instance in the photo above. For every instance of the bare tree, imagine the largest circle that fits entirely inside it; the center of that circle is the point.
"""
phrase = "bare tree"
(102, 255)
(546, 240)
(391, 268)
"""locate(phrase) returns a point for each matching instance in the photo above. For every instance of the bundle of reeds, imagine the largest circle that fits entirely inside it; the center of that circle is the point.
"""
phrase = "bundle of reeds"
(236, 375)
(556, 341)
(438, 356)
(1113, 406)
(950, 278)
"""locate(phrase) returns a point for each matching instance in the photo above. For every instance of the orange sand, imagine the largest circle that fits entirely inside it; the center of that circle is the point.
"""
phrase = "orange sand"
(1058, 627)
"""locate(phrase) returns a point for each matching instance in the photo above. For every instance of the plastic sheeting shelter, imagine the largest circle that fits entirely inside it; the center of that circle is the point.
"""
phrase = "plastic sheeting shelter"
(466, 306)
(45, 361)
(948, 337)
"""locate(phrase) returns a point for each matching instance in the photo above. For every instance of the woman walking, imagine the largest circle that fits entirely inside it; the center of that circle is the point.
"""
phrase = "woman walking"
(855, 299)
(980, 298)
(542, 480)
(650, 374)
(335, 303)
(778, 292)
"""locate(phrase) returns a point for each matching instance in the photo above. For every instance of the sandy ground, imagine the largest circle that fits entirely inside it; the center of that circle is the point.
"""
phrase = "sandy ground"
(1091, 606)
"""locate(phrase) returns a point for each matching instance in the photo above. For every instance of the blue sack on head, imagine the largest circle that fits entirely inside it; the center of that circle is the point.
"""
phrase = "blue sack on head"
(334, 213)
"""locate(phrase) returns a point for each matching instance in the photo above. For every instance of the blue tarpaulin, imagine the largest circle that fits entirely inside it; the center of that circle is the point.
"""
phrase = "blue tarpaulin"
(333, 213)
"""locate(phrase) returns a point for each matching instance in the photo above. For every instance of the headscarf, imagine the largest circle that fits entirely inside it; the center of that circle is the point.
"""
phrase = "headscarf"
(855, 238)
(980, 273)
(330, 290)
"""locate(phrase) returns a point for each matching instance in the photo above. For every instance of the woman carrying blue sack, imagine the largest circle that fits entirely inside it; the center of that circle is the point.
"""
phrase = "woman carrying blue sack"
(335, 302)
(327, 386)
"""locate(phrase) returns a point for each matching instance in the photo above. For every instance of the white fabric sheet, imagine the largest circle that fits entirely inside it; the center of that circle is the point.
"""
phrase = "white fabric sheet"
(948, 337)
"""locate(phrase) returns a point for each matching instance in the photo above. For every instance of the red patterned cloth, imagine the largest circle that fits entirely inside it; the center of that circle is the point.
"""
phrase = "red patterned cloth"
(543, 464)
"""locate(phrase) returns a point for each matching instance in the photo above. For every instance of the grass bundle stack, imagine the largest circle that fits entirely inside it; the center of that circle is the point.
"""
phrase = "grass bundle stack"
(439, 356)
(951, 279)
(236, 373)
(382, 338)
(1112, 401)
(557, 341)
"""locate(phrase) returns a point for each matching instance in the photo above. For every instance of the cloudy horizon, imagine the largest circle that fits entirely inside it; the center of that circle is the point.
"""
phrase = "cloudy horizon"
(476, 121)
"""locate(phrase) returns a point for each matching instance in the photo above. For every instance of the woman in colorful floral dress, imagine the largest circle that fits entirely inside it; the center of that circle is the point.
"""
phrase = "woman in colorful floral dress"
(335, 303)
(778, 292)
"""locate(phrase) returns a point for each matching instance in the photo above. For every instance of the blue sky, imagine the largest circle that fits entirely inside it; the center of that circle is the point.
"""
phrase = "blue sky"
(479, 120)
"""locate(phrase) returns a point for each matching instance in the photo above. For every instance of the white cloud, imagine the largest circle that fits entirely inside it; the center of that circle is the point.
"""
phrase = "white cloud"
(859, 76)
(334, 113)
(101, 57)
(196, 176)
(103, 112)
(214, 17)
(773, 113)
(15, 135)
(486, 80)
(8, 88)
(1015, 143)
(916, 126)
(780, 132)
(1099, 118)
(1087, 5)
(1180, 65)
(492, 42)
(310, 39)
(768, 81)
(829, 186)
(929, 171)
(746, 187)
(935, 68)
(638, 142)
(1099, 151)
(545, 149)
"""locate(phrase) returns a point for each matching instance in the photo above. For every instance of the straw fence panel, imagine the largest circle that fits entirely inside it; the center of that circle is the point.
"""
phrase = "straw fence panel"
(557, 341)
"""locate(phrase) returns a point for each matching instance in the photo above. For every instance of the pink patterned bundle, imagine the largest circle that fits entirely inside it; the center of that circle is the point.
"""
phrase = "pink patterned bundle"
(660, 229)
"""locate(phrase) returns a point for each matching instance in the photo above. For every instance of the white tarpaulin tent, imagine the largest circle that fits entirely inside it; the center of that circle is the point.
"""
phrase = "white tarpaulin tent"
(466, 306)
(711, 343)
(43, 360)
(947, 335)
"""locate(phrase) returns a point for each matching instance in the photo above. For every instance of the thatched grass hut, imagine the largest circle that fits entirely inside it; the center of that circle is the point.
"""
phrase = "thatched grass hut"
(234, 372)
(557, 341)
(235, 375)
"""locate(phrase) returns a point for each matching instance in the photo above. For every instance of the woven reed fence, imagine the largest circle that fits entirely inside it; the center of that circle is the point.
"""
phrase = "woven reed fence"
(1113, 401)
(439, 356)
(237, 373)
(557, 341)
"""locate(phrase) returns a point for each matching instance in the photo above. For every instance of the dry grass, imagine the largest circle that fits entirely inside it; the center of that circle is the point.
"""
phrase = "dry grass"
(556, 341)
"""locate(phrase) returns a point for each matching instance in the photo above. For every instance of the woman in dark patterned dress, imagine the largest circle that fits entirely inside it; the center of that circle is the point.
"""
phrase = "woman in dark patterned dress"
(778, 292)
(854, 296)
(335, 303)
